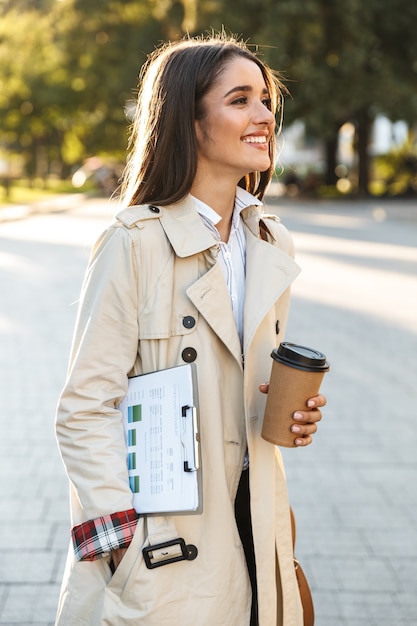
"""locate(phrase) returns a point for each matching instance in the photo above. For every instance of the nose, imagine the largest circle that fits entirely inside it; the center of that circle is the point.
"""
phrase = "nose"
(262, 115)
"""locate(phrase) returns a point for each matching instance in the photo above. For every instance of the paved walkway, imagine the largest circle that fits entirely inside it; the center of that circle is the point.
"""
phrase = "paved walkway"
(353, 491)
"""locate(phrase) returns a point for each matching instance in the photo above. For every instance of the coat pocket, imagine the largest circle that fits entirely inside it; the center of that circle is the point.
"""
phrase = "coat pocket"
(127, 566)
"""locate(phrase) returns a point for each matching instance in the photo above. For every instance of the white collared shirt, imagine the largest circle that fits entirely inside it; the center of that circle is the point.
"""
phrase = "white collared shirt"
(232, 257)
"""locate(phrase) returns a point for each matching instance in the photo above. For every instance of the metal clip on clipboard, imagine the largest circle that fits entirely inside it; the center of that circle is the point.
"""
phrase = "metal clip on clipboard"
(190, 438)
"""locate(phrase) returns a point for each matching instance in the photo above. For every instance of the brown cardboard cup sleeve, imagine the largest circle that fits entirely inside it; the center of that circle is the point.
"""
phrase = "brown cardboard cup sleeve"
(296, 375)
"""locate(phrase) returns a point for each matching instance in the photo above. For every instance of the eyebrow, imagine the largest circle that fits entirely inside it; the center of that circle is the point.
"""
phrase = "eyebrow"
(243, 88)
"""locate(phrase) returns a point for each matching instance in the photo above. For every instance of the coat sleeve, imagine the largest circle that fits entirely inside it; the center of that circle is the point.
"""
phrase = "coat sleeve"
(89, 428)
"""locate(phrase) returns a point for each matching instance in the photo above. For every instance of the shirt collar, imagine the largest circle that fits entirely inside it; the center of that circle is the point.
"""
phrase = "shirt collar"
(243, 199)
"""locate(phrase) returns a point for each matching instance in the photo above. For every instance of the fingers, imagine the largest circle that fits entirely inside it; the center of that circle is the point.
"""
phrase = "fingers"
(304, 433)
(317, 401)
(308, 417)
(117, 555)
(306, 421)
(301, 442)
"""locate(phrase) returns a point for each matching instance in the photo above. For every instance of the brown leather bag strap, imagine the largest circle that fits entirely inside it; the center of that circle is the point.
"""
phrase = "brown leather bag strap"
(305, 592)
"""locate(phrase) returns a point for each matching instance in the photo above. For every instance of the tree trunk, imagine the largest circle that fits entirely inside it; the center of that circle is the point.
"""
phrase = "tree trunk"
(330, 147)
(362, 143)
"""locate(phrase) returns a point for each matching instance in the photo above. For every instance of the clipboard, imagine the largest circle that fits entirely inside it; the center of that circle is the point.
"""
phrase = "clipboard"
(161, 422)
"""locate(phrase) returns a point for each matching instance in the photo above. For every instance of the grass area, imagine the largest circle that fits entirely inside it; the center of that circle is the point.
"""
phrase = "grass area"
(22, 192)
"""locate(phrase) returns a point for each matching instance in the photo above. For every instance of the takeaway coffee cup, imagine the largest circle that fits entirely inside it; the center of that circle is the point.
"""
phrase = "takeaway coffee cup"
(296, 375)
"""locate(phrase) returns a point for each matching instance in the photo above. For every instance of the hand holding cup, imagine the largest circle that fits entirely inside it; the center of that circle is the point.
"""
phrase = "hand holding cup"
(293, 404)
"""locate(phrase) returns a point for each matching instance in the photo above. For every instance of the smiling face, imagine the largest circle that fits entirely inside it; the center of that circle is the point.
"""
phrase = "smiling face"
(237, 124)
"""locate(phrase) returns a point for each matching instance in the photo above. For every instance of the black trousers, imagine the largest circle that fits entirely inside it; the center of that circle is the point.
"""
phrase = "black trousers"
(244, 524)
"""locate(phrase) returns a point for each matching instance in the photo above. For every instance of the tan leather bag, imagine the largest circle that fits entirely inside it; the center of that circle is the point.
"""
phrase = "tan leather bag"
(305, 593)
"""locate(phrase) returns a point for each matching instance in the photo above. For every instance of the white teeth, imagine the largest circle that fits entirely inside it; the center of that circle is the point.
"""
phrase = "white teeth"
(254, 139)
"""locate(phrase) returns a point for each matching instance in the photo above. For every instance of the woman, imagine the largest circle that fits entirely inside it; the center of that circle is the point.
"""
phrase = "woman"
(191, 271)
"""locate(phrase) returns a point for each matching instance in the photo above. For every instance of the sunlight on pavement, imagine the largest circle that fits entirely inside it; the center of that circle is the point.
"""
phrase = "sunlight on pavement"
(356, 275)
(362, 249)
(66, 228)
(338, 221)
(361, 276)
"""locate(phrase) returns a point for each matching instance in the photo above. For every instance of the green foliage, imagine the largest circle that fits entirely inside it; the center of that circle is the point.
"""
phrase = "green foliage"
(68, 67)
(343, 60)
(339, 56)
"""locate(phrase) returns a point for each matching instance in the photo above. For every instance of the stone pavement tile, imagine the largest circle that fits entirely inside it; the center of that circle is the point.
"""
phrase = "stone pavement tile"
(28, 566)
(34, 467)
(24, 535)
(322, 573)
(326, 606)
(375, 512)
(19, 508)
(398, 482)
(354, 606)
(407, 601)
(373, 574)
(374, 607)
(389, 622)
(4, 590)
(406, 572)
(354, 610)
(61, 558)
(347, 587)
(30, 604)
(328, 540)
(60, 535)
(314, 513)
(385, 543)
(386, 607)
(58, 507)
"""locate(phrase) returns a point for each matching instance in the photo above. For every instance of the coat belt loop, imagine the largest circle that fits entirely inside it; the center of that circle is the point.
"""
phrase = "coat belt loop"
(161, 528)
(164, 545)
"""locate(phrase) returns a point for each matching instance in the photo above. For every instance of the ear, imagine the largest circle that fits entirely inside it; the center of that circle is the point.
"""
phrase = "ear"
(199, 131)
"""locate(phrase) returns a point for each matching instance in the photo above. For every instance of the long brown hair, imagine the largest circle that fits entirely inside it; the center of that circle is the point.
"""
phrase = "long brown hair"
(163, 145)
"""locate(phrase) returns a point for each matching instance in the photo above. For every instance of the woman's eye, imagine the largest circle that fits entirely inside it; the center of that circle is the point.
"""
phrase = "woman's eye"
(268, 103)
(241, 100)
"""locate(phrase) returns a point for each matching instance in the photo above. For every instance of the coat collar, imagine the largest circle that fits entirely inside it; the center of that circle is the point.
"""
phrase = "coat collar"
(188, 236)
(181, 222)
(185, 229)
(183, 225)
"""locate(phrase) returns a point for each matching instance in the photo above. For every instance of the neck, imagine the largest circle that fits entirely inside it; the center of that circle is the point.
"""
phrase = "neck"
(221, 198)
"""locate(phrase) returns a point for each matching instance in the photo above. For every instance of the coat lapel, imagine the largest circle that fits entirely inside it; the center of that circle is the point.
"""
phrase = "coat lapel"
(206, 294)
(269, 271)
(188, 236)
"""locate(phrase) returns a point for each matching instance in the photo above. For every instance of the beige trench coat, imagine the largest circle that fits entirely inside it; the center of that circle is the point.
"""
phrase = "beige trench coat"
(147, 272)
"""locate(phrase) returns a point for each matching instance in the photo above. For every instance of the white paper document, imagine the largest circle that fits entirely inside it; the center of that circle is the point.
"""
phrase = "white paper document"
(160, 414)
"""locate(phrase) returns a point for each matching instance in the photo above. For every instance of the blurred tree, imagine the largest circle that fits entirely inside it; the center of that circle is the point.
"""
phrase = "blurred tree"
(67, 69)
(345, 60)
(349, 61)
(28, 65)
(104, 43)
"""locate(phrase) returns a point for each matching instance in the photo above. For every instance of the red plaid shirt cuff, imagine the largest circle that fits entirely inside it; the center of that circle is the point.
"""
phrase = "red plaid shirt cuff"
(97, 537)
